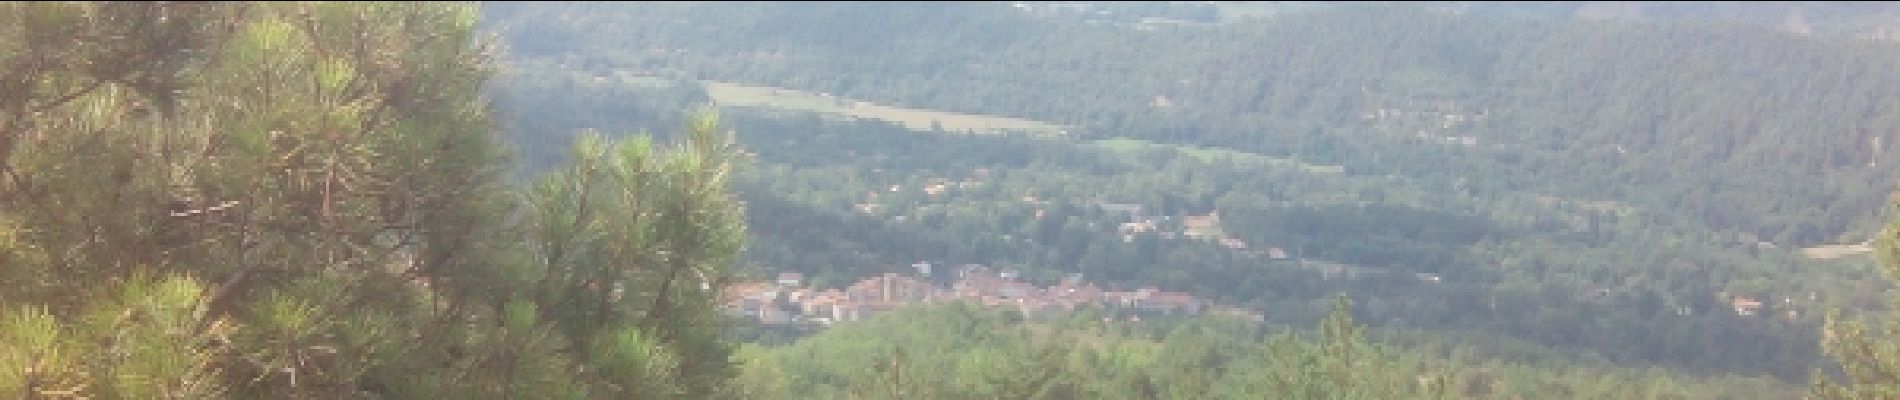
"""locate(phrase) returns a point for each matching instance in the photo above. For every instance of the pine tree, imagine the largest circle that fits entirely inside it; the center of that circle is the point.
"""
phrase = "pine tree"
(302, 200)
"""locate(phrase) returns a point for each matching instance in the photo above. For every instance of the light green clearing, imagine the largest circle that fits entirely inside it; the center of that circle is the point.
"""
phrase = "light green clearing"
(644, 81)
(1241, 11)
(1125, 145)
(731, 94)
(1830, 252)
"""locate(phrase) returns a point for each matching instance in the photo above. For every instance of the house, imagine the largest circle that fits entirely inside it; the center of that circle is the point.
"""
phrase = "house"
(1120, 299)
(1130, 228)
(1746, 306)
(790, 279)
(747, 300)
(889, 288)
(784, 302)
(1171, 303)
(1233, 244)
(1276, 253)
(1196, 226)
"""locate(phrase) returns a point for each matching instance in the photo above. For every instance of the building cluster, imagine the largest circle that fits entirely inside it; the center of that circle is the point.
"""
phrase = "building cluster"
(1199, 227)
(1749, 306)
(788, 301)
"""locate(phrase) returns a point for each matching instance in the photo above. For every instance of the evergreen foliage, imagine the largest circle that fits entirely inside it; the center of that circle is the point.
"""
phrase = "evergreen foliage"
(303, 200)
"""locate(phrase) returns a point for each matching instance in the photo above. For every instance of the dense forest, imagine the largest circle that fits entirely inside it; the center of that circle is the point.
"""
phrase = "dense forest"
(1709, 122)
(1448, 200)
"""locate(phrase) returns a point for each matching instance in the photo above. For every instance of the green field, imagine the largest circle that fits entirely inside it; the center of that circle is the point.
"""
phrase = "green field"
(732, 94)
(736, 95)
(1241, 11)
(1211, 154)
(1830, 252)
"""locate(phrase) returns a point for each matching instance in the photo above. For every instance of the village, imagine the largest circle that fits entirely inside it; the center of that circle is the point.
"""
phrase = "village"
(788, 301)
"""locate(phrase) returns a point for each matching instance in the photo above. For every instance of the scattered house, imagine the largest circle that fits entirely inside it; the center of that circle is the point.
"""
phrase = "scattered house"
(1746, 306)
(1161, 101)
(790, 279)
(1130, 228)
(1172, 302)
(1197, 226)
(1426, 277)
(1276, 253)
(784, 302)
(889, 288)
(756, 300)
(1234, 244)
(968, 270)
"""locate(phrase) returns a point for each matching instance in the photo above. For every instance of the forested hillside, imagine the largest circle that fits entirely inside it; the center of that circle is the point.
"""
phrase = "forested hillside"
(1743, 130)
(1843, 19)
(1609, 189)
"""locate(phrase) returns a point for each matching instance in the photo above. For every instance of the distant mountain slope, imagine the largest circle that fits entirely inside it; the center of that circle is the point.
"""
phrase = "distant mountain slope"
(1743, 129)
(1856, 19)
(1608, 187)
